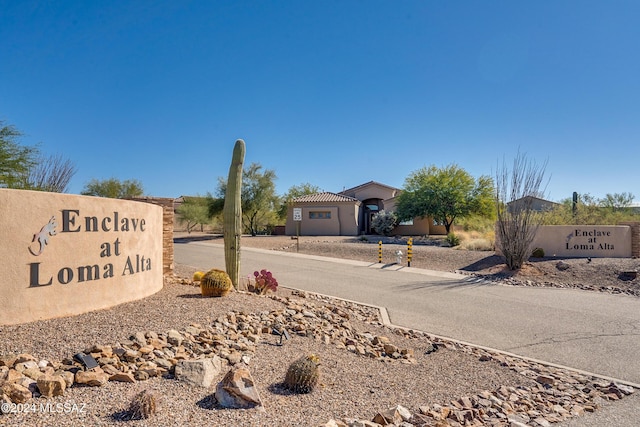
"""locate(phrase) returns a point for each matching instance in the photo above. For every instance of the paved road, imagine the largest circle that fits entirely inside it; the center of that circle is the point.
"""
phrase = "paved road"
(591, 331)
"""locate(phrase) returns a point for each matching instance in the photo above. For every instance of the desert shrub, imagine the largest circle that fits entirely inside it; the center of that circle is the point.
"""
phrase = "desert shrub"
(538, 253)
(452, 239)
(477, 223)
(590, 211)
(477, 245)
(384, 222)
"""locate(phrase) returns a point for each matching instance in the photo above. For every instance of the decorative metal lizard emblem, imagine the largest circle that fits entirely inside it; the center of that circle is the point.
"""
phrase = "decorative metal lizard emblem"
(42, 237)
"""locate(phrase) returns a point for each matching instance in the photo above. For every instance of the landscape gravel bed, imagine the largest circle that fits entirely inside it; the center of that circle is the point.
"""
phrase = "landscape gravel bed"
(427, 380)
(600, 274)
(453, 384)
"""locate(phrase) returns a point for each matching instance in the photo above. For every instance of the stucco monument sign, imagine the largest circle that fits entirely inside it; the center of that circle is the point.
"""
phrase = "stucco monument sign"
(604, 241)
(64, 254)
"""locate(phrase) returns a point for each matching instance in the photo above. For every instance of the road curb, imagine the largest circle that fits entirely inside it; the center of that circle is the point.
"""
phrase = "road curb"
(386, 320)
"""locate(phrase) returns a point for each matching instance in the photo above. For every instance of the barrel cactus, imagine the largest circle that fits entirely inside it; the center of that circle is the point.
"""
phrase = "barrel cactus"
(197, 276)
(215, 283)
(303, 374)
(143, 405)
(232, 214)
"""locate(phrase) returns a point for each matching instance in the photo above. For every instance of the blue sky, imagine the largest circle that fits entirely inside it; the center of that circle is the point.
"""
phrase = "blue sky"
(334, 93)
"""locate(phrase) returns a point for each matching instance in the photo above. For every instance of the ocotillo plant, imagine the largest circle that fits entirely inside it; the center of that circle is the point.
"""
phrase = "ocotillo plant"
(232, 214)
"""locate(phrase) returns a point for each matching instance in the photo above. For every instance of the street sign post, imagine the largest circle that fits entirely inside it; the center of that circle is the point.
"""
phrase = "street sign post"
(297, 217)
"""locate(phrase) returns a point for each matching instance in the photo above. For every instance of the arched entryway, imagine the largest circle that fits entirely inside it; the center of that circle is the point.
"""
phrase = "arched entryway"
(370, 208)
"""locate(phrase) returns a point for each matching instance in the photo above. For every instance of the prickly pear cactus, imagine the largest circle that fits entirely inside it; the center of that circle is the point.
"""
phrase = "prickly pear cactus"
(232, 214)
(215, 283)
(303, 374)
(143, 405)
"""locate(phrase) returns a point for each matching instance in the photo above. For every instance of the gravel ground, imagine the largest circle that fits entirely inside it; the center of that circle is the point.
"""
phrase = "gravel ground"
(601, 274)
(351, 386)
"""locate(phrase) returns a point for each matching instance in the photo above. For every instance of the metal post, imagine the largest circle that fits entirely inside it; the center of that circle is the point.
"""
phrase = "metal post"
(297, 236)
(380, 251)
(409, 251)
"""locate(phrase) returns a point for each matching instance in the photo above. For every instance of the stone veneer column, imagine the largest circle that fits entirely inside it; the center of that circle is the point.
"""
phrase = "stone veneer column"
(167, 230)
(635, 238)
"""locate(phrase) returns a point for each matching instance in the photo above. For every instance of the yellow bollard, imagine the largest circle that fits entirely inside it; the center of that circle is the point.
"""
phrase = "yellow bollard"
(409, 251)
(380, 251)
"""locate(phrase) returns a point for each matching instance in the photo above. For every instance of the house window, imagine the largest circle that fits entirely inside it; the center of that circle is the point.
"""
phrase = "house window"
(319, 215)
(437, 222)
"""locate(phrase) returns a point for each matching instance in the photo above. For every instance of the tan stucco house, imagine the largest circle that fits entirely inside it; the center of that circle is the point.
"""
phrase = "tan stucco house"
(349, 213)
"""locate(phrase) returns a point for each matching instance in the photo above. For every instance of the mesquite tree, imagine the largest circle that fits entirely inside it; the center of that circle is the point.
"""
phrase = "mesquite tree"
(232, 214)
(444, 194)
(518, 224)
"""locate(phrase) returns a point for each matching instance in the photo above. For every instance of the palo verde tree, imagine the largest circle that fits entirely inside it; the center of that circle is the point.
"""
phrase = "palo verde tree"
(518, 224)
(259, 199)
(617, 201)
(444, 194)
(193, 212)
(589, 210)
(113, 188)
(25, 168)
(15, 159)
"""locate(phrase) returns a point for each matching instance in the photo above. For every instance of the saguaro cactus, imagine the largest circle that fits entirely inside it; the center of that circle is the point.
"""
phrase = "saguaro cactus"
(232, 214)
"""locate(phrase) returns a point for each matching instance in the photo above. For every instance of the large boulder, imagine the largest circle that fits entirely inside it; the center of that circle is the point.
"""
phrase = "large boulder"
(51, 385)
(198, 372)
(237, 390)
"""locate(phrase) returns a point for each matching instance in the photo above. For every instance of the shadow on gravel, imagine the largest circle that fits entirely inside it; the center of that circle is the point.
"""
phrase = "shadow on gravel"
(194, 296)
(209, 402)
(199, 238)
(443, 285)
(280, 389)
(122, 416)
(484, 263)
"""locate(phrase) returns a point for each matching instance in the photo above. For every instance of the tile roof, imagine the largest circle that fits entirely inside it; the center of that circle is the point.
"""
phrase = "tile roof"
(325, 197)
(366, 184)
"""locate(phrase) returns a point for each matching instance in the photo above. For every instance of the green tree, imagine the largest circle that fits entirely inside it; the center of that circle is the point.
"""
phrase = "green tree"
(589, 210)
(15, 160)
(617, 201)
(259, 199)
(113, 188)
(444, 194)
(215, 206)
(26, 168)
(193, 212)
(294, 192)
